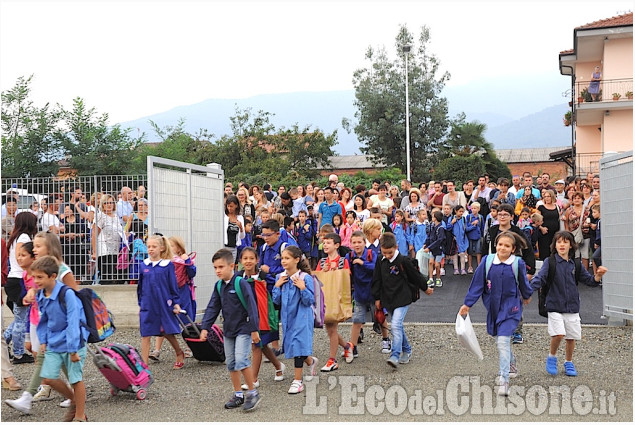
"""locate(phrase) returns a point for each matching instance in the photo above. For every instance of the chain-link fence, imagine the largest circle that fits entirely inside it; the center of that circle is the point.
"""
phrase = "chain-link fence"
(616, 177)
(101, 221)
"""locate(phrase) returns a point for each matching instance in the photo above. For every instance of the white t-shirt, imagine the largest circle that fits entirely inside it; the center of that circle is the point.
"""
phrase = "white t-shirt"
(16, 270)
(49, 220)
(384, 205)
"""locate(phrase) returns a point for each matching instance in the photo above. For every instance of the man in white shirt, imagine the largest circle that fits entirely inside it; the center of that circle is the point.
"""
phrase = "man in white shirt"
(50, 222)
(515, 185)
(560, 193)
(481, 191)
(124, 207)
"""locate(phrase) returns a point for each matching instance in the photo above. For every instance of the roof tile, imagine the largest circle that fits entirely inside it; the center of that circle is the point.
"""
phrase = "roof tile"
(616, 21)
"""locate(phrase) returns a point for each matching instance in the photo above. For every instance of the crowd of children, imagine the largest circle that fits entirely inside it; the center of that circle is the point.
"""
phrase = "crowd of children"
(269, 281)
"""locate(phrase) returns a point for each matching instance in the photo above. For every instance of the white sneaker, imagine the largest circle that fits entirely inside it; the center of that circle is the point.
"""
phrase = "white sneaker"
(503, 389)
(296, 387)
(66, 403)
(22, 404)
(442, 272)
(386, 347)
(281, 377)
(44, 392)
(513, 370)
(246, 388)
(312, 369)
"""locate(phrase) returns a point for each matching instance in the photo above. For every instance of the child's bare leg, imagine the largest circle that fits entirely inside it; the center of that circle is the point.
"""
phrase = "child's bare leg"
(569, 347)
(268, 353)
(79, 398)
(455, 262)
(555, 343)
(331, 330)
(585, 263)
(478, 259)
(234, 375)
(355, 329)
(180, 356)
(256, 354)
(145, 348)
(431, 265)
(340, 340)
(158, 342)
(249, 377)
(59, 386)
(469, 261)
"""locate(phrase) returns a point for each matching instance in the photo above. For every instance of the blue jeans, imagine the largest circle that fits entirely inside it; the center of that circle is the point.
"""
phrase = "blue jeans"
(17, 329)
(237, 352)
(505, 356)
(400, 342)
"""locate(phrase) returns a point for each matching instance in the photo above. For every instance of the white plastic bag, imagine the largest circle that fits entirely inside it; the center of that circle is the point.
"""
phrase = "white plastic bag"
(422, 259)
(467, 337)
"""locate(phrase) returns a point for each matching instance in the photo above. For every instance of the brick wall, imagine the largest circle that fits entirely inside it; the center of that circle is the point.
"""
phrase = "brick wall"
(557, 170)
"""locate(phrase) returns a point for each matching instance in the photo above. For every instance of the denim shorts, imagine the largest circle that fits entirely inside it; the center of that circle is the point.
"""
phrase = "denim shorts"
(359, 313)
(237, 352)
(475, 247)
(53, 365)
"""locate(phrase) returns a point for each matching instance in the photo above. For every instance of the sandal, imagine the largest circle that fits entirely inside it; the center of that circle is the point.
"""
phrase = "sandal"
(81, 420)
(280, 377)
(188, 353)
(179, 364)
(154, 356)
(69, 416)
(11, 384)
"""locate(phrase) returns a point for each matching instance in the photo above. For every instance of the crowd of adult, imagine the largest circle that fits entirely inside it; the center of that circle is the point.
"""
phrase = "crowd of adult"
(92, 229)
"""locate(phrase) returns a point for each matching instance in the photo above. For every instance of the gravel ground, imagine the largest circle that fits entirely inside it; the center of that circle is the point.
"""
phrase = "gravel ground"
(604, 359)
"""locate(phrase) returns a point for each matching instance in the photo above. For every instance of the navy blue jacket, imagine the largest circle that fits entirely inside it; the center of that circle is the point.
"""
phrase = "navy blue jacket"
(362, 275)
(237, 320)
(563, 296)
(436, 238)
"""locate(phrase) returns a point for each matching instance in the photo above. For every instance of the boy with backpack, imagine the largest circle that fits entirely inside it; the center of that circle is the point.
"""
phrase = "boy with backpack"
(62, 336)
(240, 327)
(395, 285)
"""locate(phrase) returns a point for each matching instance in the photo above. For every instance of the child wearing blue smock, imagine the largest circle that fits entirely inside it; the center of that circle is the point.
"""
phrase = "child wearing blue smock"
(294, 291)
(458, 226)
(502, 283)
(158, 298)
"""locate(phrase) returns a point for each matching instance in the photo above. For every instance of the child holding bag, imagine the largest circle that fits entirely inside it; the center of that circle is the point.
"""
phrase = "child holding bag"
(294, 292)
(501, 281)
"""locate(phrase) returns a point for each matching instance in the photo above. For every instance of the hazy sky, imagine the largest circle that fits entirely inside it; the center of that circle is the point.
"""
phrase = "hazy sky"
(133, 59)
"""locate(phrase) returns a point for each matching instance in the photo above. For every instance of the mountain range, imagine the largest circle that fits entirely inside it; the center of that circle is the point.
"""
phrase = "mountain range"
(515, 115)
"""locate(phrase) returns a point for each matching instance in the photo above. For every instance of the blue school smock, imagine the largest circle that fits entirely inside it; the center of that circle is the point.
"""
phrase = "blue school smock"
(157, 293)
(418, 235)
(305, 237)
(460, 234)
(296, 316)
(502, 297)
(402, 237)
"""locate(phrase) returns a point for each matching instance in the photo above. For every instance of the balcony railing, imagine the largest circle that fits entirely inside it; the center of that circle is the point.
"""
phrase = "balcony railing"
(587, 163)
(607, 88)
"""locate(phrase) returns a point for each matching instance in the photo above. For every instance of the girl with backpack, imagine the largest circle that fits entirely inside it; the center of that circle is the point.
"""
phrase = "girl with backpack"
(267, 316)
(458, 226)
(294, 291)
(185, 270)
(501, 281)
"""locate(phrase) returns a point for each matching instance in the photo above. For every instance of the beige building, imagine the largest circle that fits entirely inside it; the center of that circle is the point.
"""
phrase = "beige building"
(602, 110)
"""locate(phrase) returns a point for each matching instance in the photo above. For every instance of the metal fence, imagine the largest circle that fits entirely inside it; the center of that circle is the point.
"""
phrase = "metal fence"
(616, 176)
(606, 90)
(68, 206)
(187, 200)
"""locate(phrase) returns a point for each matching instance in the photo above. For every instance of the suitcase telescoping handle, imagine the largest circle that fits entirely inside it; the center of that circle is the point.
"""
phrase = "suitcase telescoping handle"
(178, 317)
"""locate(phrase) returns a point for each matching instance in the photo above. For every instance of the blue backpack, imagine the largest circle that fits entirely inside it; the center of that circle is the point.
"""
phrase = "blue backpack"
(490, 260)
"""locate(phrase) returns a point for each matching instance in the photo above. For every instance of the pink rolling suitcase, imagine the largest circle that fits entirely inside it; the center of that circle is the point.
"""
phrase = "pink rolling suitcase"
(122, 366)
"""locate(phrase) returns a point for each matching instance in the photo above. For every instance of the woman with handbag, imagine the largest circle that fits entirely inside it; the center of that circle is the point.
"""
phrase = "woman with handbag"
(107, 241)
(550, 223)
(574, 218)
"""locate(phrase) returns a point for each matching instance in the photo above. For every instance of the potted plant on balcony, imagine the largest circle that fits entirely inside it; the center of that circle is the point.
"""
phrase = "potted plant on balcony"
(616, 96)
(567, 118)
(582, 95)
(629, 95)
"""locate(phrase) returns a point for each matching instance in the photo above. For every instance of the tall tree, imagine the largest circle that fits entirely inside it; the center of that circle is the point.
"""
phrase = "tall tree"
(380, 101)
(29, 147)
(92, 146)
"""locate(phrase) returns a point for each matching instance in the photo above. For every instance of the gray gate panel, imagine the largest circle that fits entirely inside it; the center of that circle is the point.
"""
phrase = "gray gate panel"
(616, 179)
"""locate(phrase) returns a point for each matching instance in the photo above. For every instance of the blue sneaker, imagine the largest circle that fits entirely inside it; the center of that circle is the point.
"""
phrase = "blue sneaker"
(569, 369)
(393, 361)
(552, 365)
(405, 358)
(517, 338)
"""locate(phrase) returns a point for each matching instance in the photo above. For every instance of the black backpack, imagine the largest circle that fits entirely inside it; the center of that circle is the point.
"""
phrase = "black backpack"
(414, 282)
(543, 291)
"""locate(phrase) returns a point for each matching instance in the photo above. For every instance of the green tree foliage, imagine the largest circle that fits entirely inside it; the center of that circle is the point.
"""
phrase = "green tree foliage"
(459, 168)
(29, 146)
(93, 147)
(380, 101)
(467, 139)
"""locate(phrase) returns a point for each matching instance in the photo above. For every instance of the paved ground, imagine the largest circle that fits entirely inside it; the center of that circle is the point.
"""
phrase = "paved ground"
(442, 383)
(443, 305)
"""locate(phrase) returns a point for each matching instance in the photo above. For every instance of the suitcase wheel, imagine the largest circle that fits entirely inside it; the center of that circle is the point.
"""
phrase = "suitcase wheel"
(114, 390)
(141, 394)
